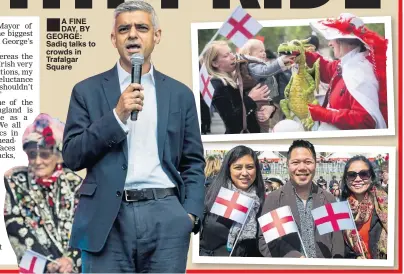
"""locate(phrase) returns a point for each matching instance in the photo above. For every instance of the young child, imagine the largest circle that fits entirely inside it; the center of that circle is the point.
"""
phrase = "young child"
(256, 70)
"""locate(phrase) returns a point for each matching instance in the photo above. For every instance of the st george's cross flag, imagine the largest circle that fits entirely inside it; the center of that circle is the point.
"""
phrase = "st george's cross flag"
(232, 205)
(277, 223)
(240, 27)
(205, 86)
(333, 217)
(32, 262)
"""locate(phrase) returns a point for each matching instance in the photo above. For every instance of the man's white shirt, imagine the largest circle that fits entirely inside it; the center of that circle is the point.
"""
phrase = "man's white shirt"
(144, 166)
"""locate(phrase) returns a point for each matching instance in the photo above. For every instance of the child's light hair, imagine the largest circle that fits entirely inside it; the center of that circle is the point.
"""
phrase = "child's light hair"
(249, 46)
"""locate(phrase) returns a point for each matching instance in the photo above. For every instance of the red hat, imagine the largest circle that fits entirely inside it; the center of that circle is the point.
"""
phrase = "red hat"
(348, 26)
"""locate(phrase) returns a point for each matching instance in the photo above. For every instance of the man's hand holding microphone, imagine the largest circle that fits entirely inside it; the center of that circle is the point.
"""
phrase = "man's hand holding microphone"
(131, 100)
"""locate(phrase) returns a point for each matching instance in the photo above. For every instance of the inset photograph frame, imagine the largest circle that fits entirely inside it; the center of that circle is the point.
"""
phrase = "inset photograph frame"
(202, 32)
(332, 160)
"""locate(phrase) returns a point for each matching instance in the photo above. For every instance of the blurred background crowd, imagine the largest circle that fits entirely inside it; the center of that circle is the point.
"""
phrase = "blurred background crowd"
(330, 167)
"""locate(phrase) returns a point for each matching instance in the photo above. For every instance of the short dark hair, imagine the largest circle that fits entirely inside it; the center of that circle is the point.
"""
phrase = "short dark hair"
(344, 184)
(303, 144)
(313, 40)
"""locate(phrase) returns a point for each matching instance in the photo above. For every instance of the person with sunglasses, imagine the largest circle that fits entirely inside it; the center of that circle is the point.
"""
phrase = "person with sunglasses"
(41, 198)
(368, 202)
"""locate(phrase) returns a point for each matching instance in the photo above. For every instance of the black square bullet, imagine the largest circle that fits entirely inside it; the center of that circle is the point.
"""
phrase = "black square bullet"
(84, 4)
(53, 24)
(51, 4)
(114, 3)
(18, 4)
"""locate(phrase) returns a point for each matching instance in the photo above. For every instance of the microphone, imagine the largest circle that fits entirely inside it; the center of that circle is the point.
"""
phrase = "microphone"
(137, 60)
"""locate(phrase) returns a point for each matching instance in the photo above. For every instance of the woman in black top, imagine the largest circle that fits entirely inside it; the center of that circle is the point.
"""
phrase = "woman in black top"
(239, 172)
(220, 63)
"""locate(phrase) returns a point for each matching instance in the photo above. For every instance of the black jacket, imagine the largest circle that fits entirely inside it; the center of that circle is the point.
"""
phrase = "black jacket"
(283, 80)
(213, 239)
(227, 101)
(205, 115)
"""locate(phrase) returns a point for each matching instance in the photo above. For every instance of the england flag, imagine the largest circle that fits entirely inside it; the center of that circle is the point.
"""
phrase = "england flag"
(333, 217)
(205, 86)
(277, 223)
(232, 205)
(32, 262)
(240, 27)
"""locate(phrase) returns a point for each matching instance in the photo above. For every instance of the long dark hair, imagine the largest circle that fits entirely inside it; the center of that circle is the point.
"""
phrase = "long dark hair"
(344, 184)
(224, 175)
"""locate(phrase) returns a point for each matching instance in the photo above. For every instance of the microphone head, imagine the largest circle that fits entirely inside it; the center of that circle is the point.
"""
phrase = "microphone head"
(137, 59)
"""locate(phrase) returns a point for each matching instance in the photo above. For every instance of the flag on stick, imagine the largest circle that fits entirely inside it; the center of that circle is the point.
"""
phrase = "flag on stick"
(32, 262)
(232, 205)
(240, 27)
(333, 217)
(205, 86)
(277, 223)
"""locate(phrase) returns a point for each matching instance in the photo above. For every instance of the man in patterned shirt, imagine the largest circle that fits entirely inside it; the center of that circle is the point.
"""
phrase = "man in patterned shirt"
(302, 195)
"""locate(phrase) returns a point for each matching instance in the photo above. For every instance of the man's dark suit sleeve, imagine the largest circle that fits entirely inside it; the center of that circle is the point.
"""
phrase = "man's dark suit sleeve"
(86, 141)
(192, 161)
(338, 243)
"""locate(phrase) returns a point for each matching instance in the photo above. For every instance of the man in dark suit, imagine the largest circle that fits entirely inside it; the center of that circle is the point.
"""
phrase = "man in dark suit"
(144, 189)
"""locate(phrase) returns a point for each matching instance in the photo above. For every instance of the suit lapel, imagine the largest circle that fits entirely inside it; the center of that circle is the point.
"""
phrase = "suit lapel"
(163, 107)
(318, 196)
(112, 92)
(290, 200)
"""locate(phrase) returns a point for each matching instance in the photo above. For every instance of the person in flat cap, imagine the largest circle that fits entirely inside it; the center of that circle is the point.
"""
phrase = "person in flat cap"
(357, 93)
(41, 198)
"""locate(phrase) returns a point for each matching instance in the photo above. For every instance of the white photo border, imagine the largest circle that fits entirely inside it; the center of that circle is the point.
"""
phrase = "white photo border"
(386, 20)
(389, 262)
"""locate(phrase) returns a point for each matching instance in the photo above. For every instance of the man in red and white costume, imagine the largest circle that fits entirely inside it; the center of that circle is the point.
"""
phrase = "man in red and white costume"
(357, 94)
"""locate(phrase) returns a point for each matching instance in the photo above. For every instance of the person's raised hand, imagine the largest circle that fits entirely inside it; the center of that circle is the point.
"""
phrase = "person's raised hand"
(131, 99)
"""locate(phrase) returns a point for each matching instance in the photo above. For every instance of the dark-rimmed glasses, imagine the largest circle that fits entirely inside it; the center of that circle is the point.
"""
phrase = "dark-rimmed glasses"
(363, 174)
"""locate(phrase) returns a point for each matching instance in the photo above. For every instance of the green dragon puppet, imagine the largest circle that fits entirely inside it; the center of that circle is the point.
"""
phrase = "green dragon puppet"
(304, 82)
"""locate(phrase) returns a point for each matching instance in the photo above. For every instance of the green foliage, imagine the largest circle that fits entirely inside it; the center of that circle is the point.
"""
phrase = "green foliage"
(376, 27)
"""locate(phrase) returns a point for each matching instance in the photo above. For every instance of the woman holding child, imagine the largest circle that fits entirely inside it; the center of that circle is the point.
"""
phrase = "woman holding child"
(236, 107)
(234, 99)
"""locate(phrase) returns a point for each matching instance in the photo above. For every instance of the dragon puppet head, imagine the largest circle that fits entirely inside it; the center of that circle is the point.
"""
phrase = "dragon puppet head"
(296, 48)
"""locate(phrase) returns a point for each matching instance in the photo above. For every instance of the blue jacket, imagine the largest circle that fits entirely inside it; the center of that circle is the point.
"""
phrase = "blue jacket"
(93, 139)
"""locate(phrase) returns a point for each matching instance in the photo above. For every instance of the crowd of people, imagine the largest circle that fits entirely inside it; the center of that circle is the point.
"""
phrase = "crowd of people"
(250, 85)
(360, 184)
